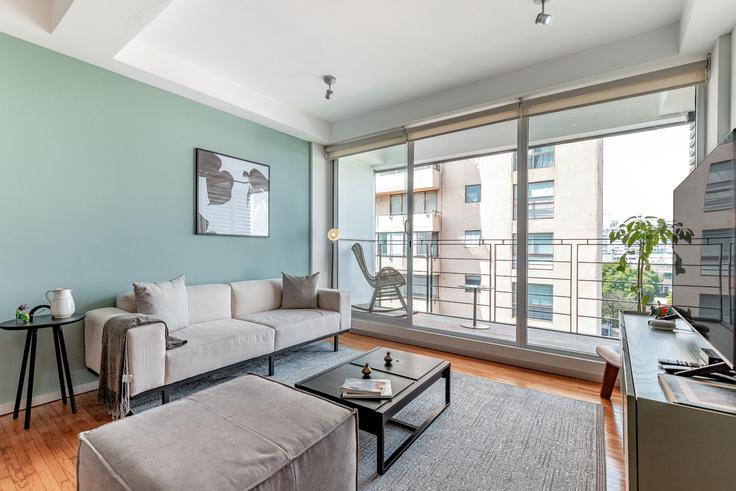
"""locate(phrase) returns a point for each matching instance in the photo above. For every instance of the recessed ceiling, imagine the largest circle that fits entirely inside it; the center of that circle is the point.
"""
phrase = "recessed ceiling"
(384, 51)
(397, 62)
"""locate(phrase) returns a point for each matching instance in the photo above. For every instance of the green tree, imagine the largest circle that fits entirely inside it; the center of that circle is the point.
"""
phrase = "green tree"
(641, 235)
(617, 292)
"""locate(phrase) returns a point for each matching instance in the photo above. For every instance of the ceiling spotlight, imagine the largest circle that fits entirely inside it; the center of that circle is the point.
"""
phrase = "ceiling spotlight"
(543, 19)
(330, 81)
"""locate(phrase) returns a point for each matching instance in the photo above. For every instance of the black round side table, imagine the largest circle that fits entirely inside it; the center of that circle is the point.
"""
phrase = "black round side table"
(39, 322)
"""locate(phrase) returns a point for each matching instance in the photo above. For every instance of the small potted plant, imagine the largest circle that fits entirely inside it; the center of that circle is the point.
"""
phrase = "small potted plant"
(659, 310)
(21, 314)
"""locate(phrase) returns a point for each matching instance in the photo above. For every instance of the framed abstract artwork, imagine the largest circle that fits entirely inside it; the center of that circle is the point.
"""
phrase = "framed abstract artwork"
(233, 195)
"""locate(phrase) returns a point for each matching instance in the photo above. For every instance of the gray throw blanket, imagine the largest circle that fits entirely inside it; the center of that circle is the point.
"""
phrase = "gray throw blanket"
(114, 389)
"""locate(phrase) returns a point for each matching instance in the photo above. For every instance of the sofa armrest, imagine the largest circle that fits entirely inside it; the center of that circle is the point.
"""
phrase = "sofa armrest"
(146, 349)
(337, 301)
(147, 357)
(94, 322)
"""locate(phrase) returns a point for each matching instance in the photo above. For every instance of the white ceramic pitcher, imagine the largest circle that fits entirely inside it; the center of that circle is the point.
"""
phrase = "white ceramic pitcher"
(61, 302)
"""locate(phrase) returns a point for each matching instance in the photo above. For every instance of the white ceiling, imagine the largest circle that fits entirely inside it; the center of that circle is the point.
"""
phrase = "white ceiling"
(384, 51)
(264, 59)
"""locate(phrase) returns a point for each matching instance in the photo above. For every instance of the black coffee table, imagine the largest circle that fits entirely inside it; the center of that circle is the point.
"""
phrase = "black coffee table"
(410, 376)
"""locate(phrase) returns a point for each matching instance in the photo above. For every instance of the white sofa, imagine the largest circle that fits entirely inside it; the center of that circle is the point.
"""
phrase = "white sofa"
(228, 324)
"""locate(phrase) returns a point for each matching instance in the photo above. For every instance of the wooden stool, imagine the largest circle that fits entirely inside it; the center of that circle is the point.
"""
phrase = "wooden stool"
(612, 357)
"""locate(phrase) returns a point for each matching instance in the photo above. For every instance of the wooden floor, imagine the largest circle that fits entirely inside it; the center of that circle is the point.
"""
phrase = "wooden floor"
(45, 456)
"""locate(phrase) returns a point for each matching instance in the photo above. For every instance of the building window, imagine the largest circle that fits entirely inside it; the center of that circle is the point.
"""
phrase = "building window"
(472, 193)
(391, 244)
(541, 157)
(715, 249)
(541, 199)
(719, 189)
(714, 308)
(472, 238)
(425, 202)
(398, 204)
(425, 242)
(540, 251)
(539, 301)
(471, 280)
(424, 283)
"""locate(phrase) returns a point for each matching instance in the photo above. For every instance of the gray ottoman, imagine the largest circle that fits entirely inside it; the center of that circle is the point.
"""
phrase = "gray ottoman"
(248, 433)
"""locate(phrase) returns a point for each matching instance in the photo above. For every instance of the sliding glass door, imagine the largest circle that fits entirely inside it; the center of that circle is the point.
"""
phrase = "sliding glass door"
(463, 271)
(500, 232)
(589, 169)
(374, 251)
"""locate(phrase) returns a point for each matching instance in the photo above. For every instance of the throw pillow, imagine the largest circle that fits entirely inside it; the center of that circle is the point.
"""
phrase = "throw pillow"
(166, 300)
(299, 292)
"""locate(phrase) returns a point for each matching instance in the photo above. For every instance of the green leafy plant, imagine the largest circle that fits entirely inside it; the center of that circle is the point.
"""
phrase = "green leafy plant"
(640, 235)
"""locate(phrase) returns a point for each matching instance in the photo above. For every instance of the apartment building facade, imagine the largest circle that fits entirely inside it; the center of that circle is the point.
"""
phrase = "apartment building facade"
(465, 230)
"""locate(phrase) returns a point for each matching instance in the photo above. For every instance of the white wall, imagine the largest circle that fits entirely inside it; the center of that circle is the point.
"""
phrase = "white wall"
(321, 215)
(719, 88)
(733, 78)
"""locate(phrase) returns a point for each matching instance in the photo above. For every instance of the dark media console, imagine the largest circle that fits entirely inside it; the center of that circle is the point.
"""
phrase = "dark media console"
(666, 445)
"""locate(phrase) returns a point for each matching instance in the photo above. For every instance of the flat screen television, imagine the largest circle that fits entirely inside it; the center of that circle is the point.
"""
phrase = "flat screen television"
(704, 202)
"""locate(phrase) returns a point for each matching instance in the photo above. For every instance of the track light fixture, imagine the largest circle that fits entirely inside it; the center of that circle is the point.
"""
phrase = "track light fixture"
(543, 18)
(330, 81)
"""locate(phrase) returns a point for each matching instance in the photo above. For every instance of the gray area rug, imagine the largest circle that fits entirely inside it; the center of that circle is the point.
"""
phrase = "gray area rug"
(492, 437)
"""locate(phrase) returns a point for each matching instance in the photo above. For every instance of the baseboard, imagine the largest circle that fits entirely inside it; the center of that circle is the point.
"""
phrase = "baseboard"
(559, 364)
(7, 408)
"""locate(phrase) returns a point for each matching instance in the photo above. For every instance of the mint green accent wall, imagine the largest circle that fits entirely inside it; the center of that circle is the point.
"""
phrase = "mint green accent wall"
(97, 190)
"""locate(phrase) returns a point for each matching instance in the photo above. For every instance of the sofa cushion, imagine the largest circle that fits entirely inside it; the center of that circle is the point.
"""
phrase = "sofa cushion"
(216, 344)
(299, 292)
(295, 326)
(166, 300)
(209, 302)
(255, 296)
(248, 433)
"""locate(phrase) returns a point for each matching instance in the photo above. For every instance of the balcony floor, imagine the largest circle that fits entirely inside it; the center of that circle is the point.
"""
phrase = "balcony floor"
(545, 338)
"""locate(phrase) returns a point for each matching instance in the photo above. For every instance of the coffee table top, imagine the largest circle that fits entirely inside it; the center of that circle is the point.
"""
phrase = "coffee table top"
(406, 374)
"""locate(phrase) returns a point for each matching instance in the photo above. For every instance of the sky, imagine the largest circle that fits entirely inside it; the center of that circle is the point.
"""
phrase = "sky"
(641, 170)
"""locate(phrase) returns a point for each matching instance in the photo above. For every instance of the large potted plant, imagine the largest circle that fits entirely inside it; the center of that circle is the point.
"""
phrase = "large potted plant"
(641, 235)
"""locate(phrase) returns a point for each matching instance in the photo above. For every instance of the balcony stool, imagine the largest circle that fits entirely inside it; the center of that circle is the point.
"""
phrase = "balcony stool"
(612, 356)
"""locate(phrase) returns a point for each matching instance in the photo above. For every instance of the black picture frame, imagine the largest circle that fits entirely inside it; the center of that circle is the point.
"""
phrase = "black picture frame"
(212, 180)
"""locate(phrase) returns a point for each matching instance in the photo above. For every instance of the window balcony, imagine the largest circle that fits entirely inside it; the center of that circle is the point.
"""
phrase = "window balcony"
(425, 177)
(423, 222)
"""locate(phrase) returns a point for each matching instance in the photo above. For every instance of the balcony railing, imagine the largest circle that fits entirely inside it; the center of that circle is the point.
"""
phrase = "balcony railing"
(577, 291)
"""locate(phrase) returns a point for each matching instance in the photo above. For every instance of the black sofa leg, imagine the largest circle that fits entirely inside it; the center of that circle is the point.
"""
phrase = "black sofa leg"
(165, 395)
(270, 366)
(337, 343)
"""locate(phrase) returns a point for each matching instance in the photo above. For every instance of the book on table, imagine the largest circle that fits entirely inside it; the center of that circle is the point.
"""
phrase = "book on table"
(356, 388)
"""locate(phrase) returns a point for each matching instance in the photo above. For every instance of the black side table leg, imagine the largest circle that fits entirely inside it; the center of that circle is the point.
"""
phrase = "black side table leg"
(22, 379)
(58, 364)
(31, 369)
(64, 358)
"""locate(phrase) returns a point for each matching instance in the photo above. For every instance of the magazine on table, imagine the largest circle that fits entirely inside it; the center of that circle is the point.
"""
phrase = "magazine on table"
(356, 388)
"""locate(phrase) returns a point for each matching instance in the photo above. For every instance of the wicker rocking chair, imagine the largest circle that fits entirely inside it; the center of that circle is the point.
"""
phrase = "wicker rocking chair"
(386, 283)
